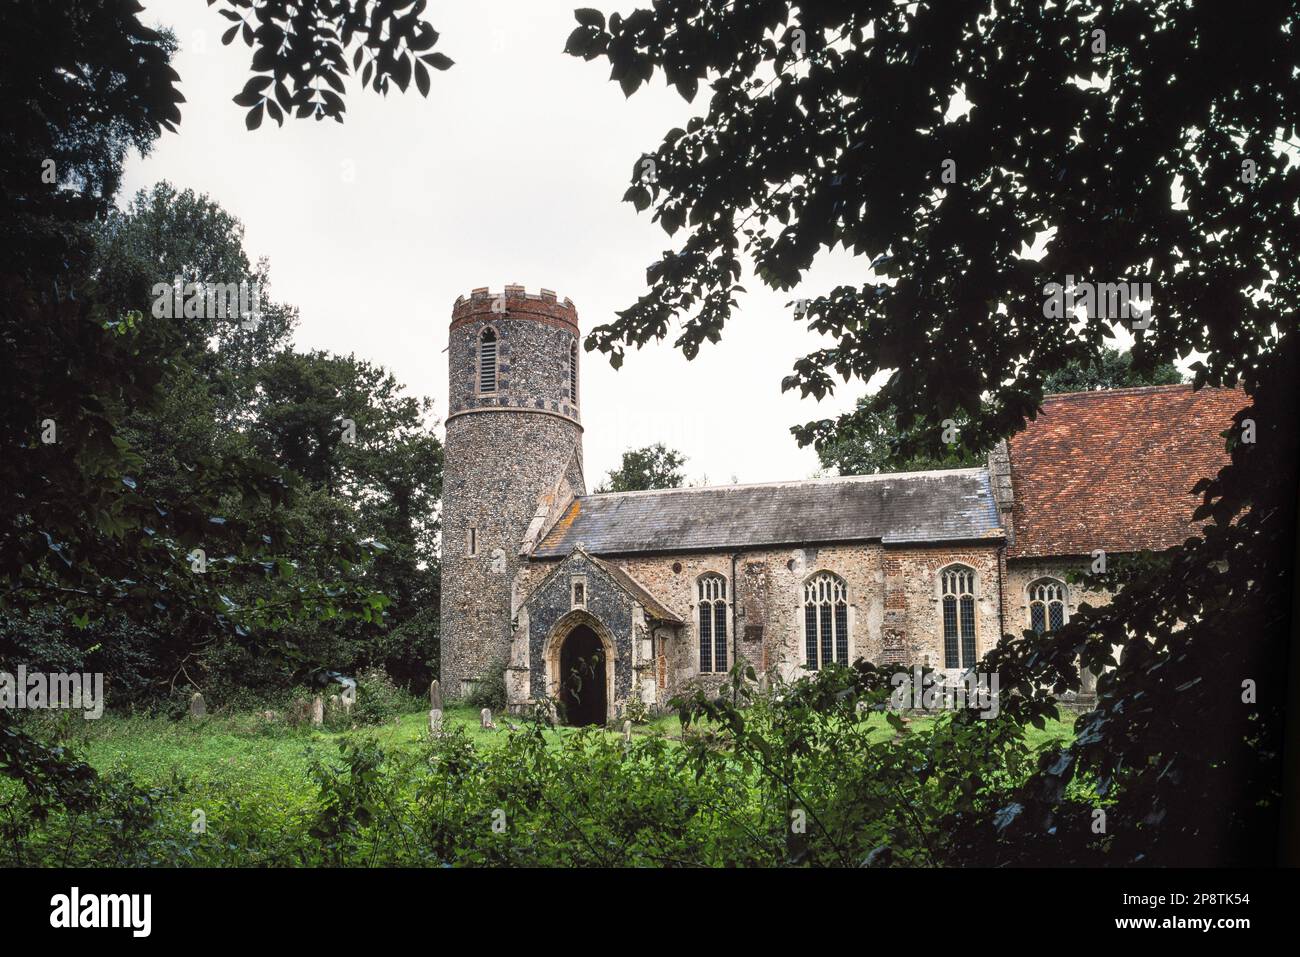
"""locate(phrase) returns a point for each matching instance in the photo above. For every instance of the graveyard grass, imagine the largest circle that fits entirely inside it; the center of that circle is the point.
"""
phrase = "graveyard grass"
(283, 794)
(269, 762)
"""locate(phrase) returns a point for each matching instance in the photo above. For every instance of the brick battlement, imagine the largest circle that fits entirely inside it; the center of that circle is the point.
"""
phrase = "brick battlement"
(542, 306)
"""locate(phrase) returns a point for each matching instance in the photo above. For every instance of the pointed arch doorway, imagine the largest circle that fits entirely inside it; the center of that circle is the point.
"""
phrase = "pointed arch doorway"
(583, 677)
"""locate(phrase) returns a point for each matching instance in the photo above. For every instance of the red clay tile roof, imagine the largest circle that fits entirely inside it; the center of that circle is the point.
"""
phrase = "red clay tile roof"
(1114, 470)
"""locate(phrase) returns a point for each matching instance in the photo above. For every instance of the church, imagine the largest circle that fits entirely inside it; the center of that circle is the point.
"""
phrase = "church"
(595, 603)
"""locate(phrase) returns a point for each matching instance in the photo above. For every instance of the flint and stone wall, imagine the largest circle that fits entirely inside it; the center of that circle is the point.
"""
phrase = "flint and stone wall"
(609, 605)
(505, 450)
(894, 594)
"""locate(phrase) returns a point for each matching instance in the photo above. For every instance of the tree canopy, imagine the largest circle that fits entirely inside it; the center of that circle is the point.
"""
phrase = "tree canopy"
(654, 466)
(979, 161)
(93, 388)
(871, 446)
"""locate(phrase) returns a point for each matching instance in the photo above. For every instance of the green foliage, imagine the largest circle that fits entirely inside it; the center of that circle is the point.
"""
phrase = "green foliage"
(871, 445)
(869, 442)
(954, 319)
(1108, 369)
(652, 467)
(349, 798)
(113, 475)
(410, 650)
(300, 53)
(490, 690)
(870, 789)
(379, 700)
(636, 711)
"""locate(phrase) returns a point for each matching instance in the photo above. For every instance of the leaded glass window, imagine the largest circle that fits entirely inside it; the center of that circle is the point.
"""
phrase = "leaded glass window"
(1046, 605)
(713, 623)
(958, 617)
(826, 620)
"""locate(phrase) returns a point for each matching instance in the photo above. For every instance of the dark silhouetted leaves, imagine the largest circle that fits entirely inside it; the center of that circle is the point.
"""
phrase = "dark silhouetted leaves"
(304, 45)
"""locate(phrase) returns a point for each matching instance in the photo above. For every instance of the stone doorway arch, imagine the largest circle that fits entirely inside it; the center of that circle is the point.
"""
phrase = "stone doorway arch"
(580, 670)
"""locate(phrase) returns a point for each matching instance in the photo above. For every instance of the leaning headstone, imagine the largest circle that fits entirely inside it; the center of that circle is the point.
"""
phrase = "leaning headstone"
(435, 695)
(485, 720)
(317, 711)
(435, 721)
(198, 707)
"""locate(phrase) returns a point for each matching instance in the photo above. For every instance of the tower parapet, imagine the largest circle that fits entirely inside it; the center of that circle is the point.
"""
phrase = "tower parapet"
(533, 341)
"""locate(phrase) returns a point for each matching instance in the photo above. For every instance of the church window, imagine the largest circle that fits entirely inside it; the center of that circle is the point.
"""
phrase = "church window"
(959, 617)
(487, 361)
(825, 620)
(579, 593)
(713, 623)
(1046, 605)
(573, 371)
(471, 546)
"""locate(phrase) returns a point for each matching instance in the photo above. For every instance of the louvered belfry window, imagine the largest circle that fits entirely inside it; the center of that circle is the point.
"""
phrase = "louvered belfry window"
(825, 620)
(487, 361)
(959, 617)
(573, 372)
(713, 623)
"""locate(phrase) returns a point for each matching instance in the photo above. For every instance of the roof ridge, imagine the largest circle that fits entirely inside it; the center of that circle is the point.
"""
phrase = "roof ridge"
(825, 480)
(1132, 389)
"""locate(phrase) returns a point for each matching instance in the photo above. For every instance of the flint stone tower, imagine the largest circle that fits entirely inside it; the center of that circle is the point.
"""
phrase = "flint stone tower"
(513, 450)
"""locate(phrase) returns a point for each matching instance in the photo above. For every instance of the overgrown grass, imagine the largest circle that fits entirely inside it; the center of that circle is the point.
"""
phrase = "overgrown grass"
(271, 759)
(271, 793)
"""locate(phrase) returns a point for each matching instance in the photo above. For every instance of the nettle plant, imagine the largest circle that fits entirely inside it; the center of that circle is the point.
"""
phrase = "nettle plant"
(841, 777)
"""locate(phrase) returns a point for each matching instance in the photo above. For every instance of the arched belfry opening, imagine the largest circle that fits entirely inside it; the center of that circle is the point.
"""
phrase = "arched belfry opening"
(583, 678)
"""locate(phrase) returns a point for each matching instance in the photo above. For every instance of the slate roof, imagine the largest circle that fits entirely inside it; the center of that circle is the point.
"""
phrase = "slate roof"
(897, 508)
(1114, 470)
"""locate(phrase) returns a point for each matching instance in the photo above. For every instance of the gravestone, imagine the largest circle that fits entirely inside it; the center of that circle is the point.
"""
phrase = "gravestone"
(435, 695)
(317, 711)
(198, 707)
(627, 732)
(485, 720)
(435, 721)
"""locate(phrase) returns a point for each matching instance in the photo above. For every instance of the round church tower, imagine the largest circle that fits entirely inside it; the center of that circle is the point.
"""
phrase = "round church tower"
(513, 435)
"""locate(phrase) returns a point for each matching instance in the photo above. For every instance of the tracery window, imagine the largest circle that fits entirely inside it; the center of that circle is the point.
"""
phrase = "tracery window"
(958, 617)
(825, 620)
(713, 623)
(1046, 605)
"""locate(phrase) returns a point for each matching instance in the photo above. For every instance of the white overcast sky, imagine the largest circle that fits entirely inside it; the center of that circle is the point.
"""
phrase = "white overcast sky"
(511, 171)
